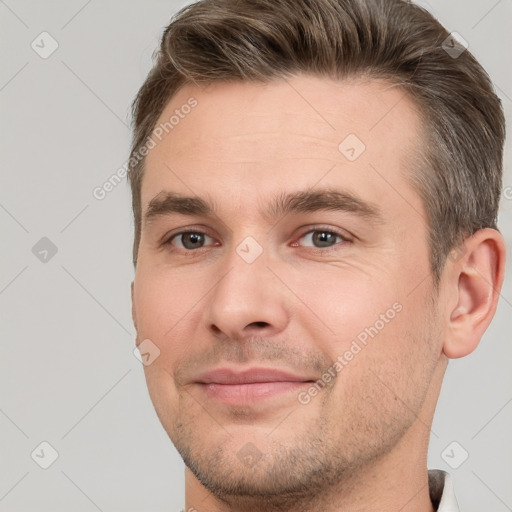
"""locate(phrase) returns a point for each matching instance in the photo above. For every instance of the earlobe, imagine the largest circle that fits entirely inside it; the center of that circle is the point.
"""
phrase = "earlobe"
(477, 280)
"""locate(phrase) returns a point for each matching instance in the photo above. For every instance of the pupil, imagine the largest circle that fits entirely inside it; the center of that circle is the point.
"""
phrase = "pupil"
(323, 237)
(194, 238)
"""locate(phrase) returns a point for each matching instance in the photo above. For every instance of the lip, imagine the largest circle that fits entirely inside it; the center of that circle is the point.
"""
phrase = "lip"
(249, 376)
(251, 385)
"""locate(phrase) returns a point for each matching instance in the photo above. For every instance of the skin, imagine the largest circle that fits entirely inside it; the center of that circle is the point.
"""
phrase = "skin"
(360, 443)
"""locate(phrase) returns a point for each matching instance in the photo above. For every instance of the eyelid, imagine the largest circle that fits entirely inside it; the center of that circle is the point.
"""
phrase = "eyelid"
(168, 237)
(329, 229)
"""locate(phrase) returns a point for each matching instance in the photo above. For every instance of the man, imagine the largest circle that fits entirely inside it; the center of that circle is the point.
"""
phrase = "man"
(315, 190)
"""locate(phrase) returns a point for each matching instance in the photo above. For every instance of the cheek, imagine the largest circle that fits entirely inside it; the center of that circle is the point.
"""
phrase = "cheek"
(162, 309)
(405, 358)
(346, 305)
(384, 386)
(163, 395)
(386, 334)
(162, 302)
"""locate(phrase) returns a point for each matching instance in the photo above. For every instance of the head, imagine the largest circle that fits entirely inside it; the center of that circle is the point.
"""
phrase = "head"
(262, 125)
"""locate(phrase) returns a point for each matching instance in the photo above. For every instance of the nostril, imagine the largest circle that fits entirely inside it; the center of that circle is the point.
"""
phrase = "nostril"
(259, 324)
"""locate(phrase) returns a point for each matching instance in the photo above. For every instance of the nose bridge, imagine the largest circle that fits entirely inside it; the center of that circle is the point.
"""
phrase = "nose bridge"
(247, 295)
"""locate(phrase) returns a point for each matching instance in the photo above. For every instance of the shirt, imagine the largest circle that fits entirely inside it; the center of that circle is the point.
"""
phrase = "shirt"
(442, 495)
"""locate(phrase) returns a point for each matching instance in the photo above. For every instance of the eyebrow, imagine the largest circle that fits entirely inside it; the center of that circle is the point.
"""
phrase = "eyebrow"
(303, 201)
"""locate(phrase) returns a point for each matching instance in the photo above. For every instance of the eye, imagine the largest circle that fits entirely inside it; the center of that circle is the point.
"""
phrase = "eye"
(320, 238)
(323, 238)
(188, 240)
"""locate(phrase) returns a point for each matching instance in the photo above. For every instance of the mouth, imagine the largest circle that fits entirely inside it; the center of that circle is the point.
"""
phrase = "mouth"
(252, 385)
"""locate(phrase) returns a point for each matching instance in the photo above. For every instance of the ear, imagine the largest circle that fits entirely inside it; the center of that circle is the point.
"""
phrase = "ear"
(134, 312)
(474, 280)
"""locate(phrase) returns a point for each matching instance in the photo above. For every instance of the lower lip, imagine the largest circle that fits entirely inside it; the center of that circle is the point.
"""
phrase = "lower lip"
(239, 394)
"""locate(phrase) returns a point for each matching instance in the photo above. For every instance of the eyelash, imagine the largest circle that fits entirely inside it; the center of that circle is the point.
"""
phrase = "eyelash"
(314, 250)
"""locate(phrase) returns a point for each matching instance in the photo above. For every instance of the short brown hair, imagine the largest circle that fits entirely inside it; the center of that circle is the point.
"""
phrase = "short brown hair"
(460, 176)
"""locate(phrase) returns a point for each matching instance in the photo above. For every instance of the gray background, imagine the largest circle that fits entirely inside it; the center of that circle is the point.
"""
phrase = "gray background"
(68, 375)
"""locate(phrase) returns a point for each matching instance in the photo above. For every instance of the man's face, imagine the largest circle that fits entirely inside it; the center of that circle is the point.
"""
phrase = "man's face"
(254, 312)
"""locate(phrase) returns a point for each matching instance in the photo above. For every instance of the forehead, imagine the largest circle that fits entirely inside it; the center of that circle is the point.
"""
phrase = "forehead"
(244, 138)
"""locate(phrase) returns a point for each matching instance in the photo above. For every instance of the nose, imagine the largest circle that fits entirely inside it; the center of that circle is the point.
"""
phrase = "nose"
(248, 300)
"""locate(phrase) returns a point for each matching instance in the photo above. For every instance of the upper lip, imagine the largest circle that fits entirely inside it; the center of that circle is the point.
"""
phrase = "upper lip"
(248, 376)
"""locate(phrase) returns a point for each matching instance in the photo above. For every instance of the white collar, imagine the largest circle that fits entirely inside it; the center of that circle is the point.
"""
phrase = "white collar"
(441, 490)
